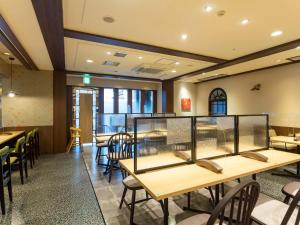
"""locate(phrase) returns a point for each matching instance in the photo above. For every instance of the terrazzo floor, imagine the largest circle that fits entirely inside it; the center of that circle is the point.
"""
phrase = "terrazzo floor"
(57, 192)
(150, 213)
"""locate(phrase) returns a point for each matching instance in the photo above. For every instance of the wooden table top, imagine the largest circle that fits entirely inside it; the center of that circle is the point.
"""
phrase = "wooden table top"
(178, 180)
(285, 139)
(8, 135)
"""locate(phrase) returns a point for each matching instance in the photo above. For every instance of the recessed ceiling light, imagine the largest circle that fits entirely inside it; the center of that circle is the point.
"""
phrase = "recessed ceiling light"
(208, 8)
(89, 61)
(298, 47)
(108, 53)
(276, 33)
(184, 36)
(173, 71)
(140, 57)
(6, 53)
(244, 21)
(278, 60)
(177, 63)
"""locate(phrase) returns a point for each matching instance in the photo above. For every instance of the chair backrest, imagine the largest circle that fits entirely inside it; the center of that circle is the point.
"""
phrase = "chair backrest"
(20, 145)
(120, 146)
(272, 133)
(4, 152)
(237, 205)
(291, 210)
(28, 136)
(75, 131)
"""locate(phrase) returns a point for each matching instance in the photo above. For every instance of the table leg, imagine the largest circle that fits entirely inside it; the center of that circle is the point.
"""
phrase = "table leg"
(166, 211)
(217, 194)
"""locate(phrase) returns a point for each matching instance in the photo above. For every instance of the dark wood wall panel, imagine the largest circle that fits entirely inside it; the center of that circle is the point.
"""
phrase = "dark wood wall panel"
(143, 100)
(129, 98)
(60, 112)
(46, 136)
(69, 110)
(155, 101)
(101, 100)
(116, 100)
(168, 96)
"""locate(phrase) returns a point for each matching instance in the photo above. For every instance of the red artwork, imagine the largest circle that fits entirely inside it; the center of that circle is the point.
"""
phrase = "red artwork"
(185, 104)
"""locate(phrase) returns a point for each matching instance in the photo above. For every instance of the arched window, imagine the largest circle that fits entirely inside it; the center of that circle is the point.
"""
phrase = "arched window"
(217, 102)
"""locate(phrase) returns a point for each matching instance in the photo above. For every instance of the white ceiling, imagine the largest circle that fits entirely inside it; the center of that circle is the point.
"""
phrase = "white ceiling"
(77, 52)
(161, 23)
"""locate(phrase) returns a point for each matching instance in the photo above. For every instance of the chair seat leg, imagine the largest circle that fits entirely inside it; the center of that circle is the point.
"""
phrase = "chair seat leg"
(132, 207)
(2, 200)
(123, 197)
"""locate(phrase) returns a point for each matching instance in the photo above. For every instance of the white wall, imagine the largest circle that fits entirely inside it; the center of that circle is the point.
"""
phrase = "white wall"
(184, 90)
(279, 95)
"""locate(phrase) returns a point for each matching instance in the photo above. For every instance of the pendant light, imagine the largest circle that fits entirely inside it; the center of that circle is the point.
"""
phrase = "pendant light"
(11, 93)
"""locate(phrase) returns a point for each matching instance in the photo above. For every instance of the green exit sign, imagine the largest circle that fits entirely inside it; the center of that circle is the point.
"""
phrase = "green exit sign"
(86, 78)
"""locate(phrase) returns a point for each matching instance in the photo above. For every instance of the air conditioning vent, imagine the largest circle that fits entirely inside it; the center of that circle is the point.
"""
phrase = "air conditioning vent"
(110, 63)
(120, 54)
(151, 68)
(294, 59)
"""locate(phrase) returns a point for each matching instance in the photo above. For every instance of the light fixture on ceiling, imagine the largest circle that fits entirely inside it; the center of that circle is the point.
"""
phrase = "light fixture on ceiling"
(184, 36)
(276, 33)
(244, 21)
(173, 71)
(6, 53)
(298, 47)
(108, 19)
(89, 61)
(108, 53)
(140, 57)
(11, 93)
(208, 8)
(177, 63)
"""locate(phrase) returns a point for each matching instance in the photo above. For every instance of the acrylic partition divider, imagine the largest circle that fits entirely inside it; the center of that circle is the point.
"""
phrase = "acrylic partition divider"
(215, 136)
(170, 141)
(164, 114)
(253, 132)
(130, 120)
(162, 142)
(110, 123)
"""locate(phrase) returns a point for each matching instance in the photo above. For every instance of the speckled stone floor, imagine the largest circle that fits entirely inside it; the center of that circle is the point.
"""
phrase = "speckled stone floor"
(150, 213)
(57, 192)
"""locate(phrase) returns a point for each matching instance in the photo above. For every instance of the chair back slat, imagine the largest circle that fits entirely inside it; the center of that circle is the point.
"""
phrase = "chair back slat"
(120, 146)
(291, 209)
(237, 205)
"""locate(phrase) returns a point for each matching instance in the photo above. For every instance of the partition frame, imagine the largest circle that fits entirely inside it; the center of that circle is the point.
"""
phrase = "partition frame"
(136, 171)
(267, 132)
(235, 136)
(162, 114)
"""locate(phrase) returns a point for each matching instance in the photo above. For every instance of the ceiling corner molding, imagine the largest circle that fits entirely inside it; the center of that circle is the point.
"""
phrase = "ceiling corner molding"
(49, 14)
(11, 42)
(246, 58)
(111, 76)
(138, 46)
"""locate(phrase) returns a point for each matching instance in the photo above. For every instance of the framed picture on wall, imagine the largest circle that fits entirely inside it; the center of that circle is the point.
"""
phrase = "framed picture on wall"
(185, 105)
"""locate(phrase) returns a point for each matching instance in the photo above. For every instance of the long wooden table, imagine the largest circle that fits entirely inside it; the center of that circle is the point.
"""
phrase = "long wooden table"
(165, 183)
(288, 140)
(8, 138)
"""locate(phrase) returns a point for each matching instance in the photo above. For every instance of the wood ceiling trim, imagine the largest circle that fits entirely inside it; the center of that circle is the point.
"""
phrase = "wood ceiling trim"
(50, 17)
(110, 76)
(249, 71)
(242, 59)
(9, 39)
(139, 46)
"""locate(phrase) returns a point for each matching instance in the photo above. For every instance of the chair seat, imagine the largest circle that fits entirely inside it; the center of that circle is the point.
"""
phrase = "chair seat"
(13, 159)
(291, 188)
(199, 219)
(279, 145)
(14, 150)
(103, 144)
(130, 182)
(271, 212)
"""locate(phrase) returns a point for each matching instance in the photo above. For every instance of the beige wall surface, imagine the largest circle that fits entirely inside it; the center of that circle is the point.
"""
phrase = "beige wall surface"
(119, 83)
(184, 90)
(279, 95)
(33, 105)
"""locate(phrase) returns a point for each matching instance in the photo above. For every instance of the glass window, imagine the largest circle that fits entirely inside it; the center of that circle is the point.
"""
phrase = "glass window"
(108, 100)
(136, 101)
(123, 101)
(218, 102)
(148, 107)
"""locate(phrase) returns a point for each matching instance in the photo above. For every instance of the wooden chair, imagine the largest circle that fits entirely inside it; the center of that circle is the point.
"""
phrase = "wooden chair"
(36, 142)
(235, 208)
(5, 176)
(269, 211)
(29, 146)
(18, 157)
(74, 133)
(130, 183)
(290, 190)
(119, 147)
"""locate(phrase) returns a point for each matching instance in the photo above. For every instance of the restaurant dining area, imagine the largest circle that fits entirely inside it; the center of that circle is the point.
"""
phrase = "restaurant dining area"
(130, 112)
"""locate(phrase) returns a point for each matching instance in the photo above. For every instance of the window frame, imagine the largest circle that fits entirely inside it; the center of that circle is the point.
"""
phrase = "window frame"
(210, 101)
